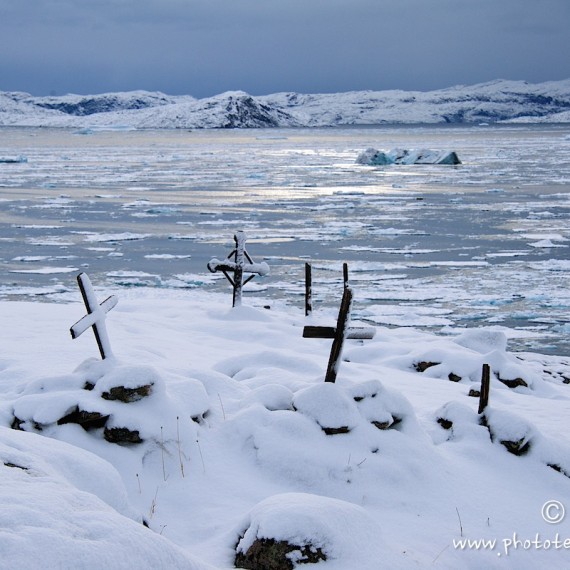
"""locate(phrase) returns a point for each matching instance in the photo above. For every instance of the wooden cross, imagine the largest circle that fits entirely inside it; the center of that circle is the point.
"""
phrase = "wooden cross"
(95, 317)
(339, 333)
(238, 262)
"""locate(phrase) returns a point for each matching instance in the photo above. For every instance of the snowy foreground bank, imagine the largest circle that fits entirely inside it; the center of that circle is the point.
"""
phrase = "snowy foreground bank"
(213, 426)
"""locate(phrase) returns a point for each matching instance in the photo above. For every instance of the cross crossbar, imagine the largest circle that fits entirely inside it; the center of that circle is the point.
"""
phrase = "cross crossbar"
(362, 333)
(95, 317)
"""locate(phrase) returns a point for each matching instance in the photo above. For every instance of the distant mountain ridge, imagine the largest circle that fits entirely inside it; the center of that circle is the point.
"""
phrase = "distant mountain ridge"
(496, 101)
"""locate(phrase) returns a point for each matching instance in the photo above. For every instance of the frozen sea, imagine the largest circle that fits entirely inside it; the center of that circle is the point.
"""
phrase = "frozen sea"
(485, 243)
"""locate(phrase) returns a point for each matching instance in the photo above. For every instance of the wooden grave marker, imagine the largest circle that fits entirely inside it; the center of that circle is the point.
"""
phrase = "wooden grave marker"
(339, 334)
(308, 290)
(485, 388)
(95, 317)
(309, 286)
(238, 262)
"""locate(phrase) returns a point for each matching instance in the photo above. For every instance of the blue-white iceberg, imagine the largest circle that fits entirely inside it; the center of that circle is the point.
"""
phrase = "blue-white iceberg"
(373, 157)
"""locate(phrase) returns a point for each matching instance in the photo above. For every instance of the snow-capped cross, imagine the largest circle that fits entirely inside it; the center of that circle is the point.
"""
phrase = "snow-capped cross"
(238, 262)
(95, 317)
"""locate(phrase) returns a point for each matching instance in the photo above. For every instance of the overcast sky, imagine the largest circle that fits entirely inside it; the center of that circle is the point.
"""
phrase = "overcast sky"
(205, 47)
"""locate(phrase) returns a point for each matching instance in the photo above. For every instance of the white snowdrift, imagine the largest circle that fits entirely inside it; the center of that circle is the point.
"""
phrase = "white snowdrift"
(241, 439)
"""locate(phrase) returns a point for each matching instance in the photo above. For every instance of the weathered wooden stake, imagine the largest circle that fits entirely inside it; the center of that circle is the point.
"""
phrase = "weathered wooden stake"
(95, 318)
(345, 274)
(485, 388)
(308, 290)
(238, 266)
(340, 335)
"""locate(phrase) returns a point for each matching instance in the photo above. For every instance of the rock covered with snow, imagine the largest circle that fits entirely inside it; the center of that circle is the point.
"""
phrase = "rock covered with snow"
(373, 157)
(106, 399)
(301, 528)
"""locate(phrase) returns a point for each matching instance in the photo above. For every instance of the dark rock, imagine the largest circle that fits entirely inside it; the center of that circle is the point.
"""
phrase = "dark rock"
(559, 469)
(17, 424)
(271, 554)
(88, 386)
(520, 447)
(513, 383)
(127, 395)
(424, 365)
(122, 436)
(444, 423)
(474, 393)
(16, 466)
(387, 425)
(335, 430)
(454, 377)
(87, 420)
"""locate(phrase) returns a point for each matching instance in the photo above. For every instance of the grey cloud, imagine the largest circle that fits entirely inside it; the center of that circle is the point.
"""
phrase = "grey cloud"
(203, 47)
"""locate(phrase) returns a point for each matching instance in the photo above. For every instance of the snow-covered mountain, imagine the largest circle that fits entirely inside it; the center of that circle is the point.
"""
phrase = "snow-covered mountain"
(514, 101)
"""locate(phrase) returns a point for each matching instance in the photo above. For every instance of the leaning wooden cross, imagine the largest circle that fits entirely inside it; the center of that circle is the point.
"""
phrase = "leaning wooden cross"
(238, 262)
(95, 317)
(339, 333)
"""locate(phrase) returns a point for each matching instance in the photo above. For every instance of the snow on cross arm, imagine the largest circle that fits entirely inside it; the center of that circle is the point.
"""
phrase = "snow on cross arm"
(95, 318)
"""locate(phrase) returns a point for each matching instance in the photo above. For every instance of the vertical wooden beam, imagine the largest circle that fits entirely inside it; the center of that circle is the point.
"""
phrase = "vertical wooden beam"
(308, 290)
(485, 388)
(340, 335)
(345, 274)
(239, 238)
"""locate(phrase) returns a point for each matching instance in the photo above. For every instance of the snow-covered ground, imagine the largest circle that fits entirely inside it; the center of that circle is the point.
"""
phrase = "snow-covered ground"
(226, 414)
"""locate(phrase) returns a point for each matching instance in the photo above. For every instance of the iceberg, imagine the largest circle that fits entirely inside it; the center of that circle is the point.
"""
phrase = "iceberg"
(13, 159)
(373, 157)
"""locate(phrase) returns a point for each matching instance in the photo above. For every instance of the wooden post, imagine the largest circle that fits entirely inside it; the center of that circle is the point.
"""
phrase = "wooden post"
(485, 388)
(239, 239)
(340, 335)
(238, 262)
(95, 317)
(345, 274)
(308, 290)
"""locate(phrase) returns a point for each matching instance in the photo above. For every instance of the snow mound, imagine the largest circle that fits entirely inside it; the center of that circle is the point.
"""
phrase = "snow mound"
(329, 529)
(67, 508)
(122, 404)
